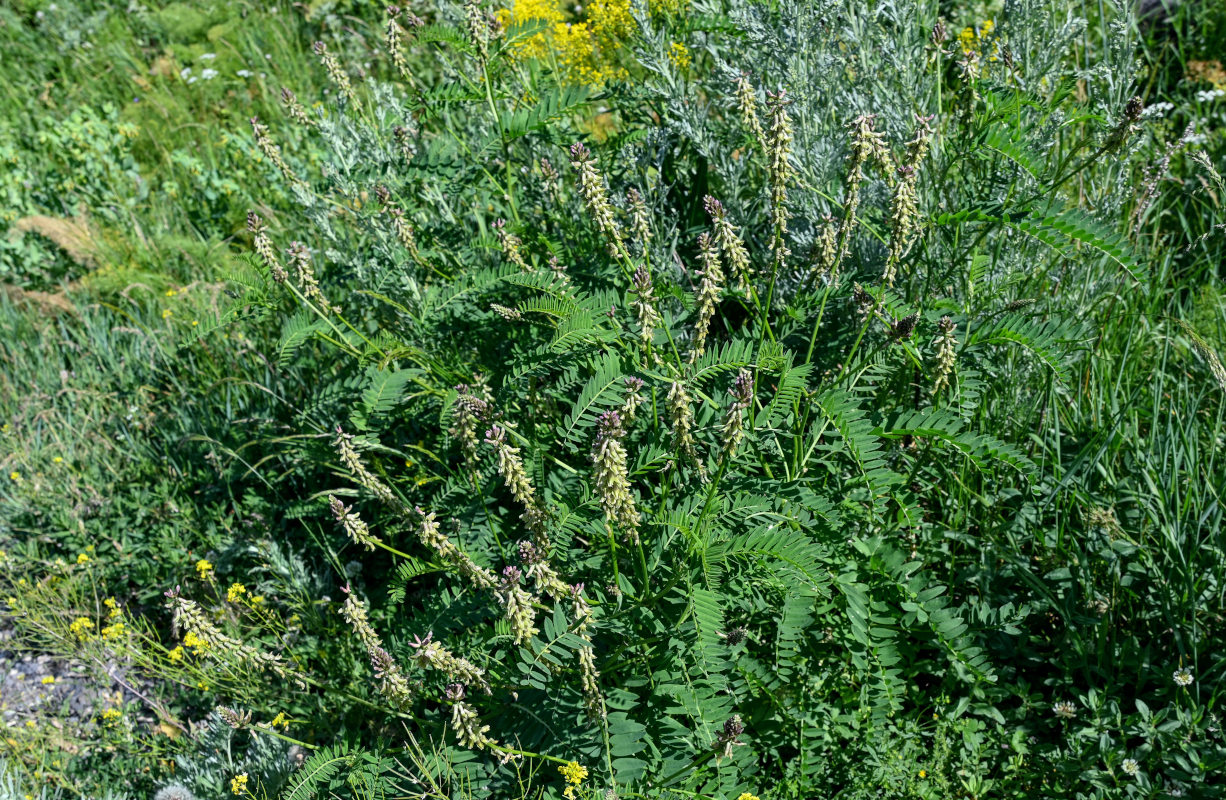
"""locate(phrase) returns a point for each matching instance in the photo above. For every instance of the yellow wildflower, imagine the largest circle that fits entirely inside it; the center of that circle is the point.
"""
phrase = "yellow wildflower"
(679, 54)
(526, 11)
(82, 558)
(966, 41)
(114, 631)
(280, 720)
(973, 42)
(585, 51)
(204, 569)
(923, 773)
(111, 717)
(166, 312)
(171, 293)
(57, 460)
(198, 645)
(237, 590)
(15, 476)
(48, 680)
(176, 654)
(258, 600)
(113, 608)
(202, 686)
(747, 796)
(574, 774)
(238, 784)
(611, 20)
(81, 627)
(667, 8)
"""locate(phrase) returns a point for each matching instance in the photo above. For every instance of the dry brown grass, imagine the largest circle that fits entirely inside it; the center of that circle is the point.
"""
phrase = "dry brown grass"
(72, 235)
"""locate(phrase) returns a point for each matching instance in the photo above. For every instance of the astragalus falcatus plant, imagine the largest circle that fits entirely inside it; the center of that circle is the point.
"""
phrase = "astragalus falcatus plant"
(652, 509)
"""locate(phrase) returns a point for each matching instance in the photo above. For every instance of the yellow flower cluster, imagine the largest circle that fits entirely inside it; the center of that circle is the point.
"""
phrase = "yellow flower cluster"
(238, 784)
(193, 641)
(82, 627)
(574, 774)
(585, 51)
(668, 8)
(111, 717)
(236, 592)
(679, 54)
(531, 13)
(204, 569)
(114, 631)
(980, 42)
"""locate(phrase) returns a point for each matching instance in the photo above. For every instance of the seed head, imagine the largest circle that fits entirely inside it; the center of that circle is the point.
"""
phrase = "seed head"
(335, 73)
(596, 197)
(644, 305)
(294, 108)
(733, 430)
(639, 224)
(510, 244)
(611, 478)
(709, 292)
(358, 531)
(946, 354)
(747, 100)
(729, 241)
(729, 737)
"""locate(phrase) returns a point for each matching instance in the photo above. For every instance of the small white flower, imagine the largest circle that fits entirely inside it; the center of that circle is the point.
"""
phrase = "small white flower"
(1064, 709)
(208, 56)
(1183, 676)
(209, 74)
(1130, 766)
(192, 79)
(186, 71)
(1209, 95)
(1157, 110)
(244, 73)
